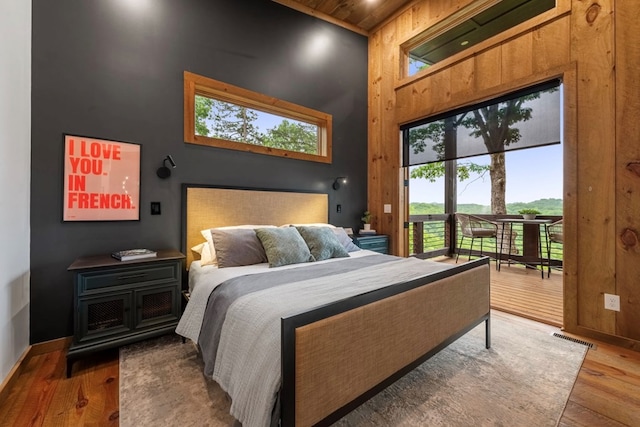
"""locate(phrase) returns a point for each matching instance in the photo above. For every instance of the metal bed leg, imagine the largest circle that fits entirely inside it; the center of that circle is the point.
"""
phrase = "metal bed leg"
(487, 332)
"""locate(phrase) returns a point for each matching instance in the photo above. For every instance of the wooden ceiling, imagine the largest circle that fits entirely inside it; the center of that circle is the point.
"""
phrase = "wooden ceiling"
(360, 16)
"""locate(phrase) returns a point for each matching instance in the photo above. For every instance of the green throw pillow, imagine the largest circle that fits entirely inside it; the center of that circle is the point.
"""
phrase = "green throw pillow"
(284, 246)
(322, 243)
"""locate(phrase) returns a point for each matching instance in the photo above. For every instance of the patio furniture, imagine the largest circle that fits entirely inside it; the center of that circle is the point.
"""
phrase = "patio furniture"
(475, 227)
(531, 242)
(554, 235)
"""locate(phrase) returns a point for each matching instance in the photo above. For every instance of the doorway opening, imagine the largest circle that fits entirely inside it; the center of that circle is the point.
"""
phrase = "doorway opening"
(494, 161)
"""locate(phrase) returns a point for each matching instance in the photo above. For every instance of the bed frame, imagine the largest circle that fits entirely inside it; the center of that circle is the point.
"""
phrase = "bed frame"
(337, 356)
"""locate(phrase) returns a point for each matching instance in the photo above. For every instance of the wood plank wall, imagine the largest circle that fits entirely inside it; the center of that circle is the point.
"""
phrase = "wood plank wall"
(585, 43)
(627, 48)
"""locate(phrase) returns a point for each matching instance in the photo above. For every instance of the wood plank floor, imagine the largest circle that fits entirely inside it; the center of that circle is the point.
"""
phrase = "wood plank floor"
(606, 392)
(521, 291)
(43, 396)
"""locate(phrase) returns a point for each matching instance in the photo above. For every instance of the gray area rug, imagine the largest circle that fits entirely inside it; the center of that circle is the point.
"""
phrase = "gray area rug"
(524, 380)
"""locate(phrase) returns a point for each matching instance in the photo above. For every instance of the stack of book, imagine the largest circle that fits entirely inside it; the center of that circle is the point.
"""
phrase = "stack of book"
(131, 254)
(366, 232)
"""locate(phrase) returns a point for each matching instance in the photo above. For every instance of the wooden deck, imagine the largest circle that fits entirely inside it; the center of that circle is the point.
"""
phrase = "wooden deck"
(521, 291)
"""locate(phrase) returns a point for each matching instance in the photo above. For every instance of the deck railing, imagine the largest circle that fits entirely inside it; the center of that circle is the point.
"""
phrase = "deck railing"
(430, 236)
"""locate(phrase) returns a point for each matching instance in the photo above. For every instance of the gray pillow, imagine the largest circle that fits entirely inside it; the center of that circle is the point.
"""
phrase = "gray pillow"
(322, 243)
(236, 247)
(344, 238)
(284, 246)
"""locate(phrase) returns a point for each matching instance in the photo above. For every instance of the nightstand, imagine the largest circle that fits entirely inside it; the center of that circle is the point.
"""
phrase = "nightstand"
(374, 242)
(121, 302)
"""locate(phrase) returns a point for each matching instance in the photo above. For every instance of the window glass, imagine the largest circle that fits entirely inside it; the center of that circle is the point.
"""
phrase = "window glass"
(225, 120)
(460, 32)
(221, 115)
(522, 120)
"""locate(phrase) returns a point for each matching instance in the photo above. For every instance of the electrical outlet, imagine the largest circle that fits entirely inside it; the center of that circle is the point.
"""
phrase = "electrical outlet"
(612, 302)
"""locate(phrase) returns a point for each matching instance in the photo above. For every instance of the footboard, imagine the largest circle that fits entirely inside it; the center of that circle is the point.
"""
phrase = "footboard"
(337, 356)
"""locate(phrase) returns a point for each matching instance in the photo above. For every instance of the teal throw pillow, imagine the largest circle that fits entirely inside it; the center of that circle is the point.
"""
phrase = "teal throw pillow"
(322, 243)
(284, 246)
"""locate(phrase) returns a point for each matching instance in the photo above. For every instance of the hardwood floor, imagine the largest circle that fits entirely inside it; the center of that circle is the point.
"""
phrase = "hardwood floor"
(606, 392)
(43, 396)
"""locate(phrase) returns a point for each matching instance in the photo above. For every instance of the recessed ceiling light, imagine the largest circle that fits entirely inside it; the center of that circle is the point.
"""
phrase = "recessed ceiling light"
(464, 43)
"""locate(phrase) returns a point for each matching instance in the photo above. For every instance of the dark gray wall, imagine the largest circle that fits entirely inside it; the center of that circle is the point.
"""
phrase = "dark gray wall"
(114, 69)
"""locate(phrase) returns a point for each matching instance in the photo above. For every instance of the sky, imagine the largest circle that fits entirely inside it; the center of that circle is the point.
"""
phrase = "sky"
(532, 174)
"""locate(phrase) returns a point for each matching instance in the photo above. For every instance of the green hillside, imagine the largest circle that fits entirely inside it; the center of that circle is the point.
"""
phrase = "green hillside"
(545, 206)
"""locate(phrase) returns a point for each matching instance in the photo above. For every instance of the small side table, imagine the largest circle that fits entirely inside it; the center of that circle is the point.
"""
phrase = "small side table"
(374, 242)
(121, 302)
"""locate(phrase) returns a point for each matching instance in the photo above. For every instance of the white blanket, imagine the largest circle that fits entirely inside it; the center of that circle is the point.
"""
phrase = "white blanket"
(248, 359)
(204, 279)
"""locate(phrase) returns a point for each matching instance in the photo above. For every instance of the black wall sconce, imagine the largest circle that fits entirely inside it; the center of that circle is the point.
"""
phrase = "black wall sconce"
(163, 171)
(339, 180)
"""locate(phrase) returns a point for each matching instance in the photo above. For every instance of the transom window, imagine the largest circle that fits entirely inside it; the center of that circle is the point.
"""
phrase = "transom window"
(469, 26)
(221, 115)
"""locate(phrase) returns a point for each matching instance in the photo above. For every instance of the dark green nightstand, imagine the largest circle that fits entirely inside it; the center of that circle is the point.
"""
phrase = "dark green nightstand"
(120, 302)
(375, 242)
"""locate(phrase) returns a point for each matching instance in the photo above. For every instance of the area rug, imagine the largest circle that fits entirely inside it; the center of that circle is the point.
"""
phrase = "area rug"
(524, 379)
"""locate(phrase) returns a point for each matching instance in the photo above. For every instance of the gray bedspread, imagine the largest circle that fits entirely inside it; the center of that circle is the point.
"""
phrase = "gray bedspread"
(248, 360)
(229, 291)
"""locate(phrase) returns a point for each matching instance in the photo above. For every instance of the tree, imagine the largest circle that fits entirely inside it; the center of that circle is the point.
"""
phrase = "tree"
(301, 137)
(494, 124)
(203, 113)
(438, 132)
(235, 123)
(433, 171)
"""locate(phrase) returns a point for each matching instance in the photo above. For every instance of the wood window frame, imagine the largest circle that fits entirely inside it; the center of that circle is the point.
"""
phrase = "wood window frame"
(195, 84)
(403, 78)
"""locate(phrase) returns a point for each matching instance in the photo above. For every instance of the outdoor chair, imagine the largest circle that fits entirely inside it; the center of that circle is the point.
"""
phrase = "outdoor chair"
(554, 235)
(475, 228)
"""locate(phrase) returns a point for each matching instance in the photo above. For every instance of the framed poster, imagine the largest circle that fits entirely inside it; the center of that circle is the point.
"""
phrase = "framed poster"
(101, 180)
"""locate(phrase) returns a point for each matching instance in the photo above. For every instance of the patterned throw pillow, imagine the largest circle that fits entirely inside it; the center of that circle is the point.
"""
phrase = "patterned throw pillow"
(284, 246)
(322, 243)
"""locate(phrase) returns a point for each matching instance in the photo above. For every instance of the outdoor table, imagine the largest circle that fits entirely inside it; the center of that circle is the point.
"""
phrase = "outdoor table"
(531, 242)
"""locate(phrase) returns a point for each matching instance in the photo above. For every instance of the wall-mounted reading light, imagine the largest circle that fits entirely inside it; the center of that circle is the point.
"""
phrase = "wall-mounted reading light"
(339, 180)
(163, 171)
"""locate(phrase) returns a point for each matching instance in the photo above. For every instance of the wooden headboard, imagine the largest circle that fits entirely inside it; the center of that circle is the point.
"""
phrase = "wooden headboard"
(209, 207)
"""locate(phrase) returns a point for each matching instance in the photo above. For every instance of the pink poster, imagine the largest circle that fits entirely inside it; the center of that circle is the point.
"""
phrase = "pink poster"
(101, 180)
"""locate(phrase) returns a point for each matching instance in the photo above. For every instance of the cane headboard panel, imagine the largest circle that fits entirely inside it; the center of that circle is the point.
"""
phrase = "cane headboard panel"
(209, 207)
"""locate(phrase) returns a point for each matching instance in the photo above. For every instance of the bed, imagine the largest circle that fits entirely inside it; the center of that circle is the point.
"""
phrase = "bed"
(308, 342)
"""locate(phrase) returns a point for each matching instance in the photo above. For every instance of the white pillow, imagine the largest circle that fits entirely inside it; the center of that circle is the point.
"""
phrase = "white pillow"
(205, 253)
(212, 258)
